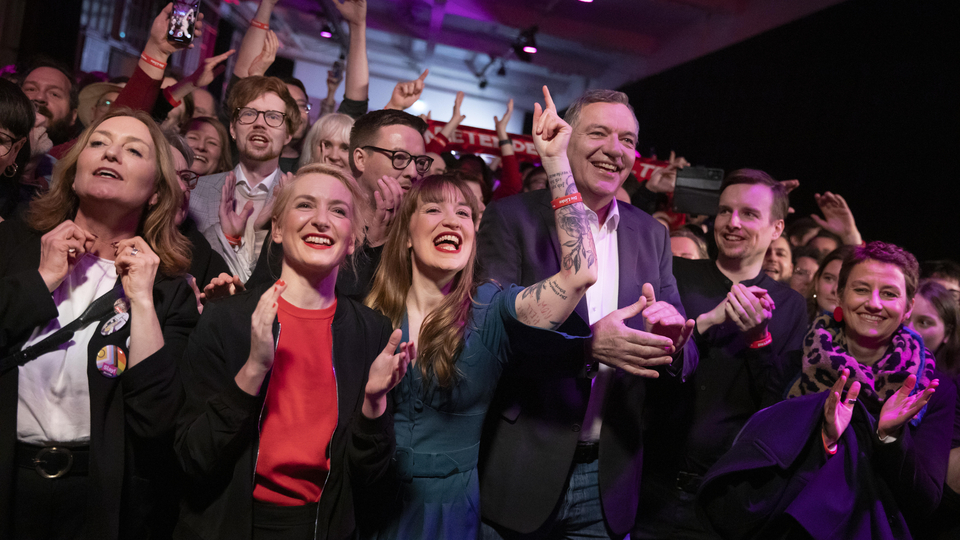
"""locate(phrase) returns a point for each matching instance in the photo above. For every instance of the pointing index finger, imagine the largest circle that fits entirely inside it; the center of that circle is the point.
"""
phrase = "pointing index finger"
(548, 100)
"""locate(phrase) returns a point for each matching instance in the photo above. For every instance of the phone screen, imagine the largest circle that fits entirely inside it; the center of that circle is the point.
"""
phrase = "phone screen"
(182, 21)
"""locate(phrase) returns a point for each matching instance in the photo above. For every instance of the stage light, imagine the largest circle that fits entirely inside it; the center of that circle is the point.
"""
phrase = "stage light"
(526, 44)
(326, 32)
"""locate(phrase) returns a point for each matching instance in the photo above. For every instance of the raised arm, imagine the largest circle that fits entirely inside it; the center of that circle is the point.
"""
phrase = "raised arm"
(357, 71)
(254, 38)
(548, 303)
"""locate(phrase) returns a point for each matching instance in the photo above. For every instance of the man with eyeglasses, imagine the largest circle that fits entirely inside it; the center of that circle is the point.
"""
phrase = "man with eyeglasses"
(232, 209)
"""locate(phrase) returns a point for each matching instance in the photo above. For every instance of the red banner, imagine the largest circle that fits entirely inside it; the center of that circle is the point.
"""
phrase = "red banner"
(473, 140)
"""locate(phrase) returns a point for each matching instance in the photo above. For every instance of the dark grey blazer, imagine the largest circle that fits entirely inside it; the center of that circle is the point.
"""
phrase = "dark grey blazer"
(533, 426)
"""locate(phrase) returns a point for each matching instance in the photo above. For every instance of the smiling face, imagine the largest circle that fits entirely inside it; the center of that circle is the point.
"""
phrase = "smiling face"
(778, 261)
(826, 286)
(874, 302)
(374, 165)
(803, 272)
(333, 150)
(180, 164)
(297, 94)
(602, 151)
(316, 228)
(118, 165)
(205, 142)
(49, 88)
(927, 322)
(258, 142)
(745, 227)
(442, 235)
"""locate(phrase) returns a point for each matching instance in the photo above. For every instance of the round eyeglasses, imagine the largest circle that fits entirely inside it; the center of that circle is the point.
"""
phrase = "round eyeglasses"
(248, 115)
(401, 160)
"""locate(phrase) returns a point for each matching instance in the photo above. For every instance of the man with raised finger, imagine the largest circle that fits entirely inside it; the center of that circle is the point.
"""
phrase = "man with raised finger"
(232, 209)
(562, 452)
(748, 333)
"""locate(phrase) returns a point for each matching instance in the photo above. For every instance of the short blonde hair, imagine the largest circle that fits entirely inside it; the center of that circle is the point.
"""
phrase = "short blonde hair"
(327, 126)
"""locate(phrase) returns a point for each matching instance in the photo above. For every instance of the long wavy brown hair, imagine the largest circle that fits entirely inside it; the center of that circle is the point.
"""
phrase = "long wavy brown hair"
(442, 333)
(157, 222)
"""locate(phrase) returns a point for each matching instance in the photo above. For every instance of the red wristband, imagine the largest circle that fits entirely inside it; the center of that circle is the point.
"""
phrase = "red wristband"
(152, 61)
(565, 201)
(826, 447)
(170, 99)
(234, 240)
(257, 24)
(762, 342)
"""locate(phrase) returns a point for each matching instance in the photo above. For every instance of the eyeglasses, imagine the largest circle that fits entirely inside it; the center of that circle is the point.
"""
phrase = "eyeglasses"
(305, 106)
(6, 144)
(247, 115)
(401, 160)
(189, 178)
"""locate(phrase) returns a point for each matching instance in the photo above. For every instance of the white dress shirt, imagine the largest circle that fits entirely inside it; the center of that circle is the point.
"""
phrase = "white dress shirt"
(252, 241)
(53, 392)
(601, 301)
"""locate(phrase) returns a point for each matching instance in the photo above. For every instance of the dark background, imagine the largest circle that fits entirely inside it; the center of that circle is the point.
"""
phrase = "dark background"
(862, 99)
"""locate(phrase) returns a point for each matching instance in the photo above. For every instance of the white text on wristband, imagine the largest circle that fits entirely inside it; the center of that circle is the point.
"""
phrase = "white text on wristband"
(566, 201)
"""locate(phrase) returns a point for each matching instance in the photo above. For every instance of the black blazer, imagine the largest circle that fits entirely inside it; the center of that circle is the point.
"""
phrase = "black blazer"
(132, 416)
(533, 426)
(218, 431)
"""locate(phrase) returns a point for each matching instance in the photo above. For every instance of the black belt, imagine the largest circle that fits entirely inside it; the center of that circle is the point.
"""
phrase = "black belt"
(586, 452)
(54, 461)
(688, 482)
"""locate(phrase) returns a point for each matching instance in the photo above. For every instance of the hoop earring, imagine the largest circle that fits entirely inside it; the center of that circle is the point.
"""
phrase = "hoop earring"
(11, 170)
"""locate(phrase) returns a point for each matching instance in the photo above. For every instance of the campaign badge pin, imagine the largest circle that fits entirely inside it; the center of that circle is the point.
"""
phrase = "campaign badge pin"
(115, 323)
(122, 305)
(111, 361)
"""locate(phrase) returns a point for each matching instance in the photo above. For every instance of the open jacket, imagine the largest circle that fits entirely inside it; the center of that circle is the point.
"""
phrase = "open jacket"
(131, 416)
(218, 433)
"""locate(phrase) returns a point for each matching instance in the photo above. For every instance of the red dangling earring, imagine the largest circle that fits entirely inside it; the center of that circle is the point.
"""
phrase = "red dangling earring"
(838, 314)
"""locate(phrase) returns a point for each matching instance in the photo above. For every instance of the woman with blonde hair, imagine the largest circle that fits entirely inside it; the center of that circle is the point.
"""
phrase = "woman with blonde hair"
(467, 334)
(283, 431)
(94, 312)
(328, 142)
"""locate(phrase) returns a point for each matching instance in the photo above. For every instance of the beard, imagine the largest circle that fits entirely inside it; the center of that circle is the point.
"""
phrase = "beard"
(59, 131)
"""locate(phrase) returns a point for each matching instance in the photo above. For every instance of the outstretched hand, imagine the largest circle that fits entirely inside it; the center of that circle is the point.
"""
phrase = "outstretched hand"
(837, 413)
(221, 286)
(550, 133)
(352, 11)
(263, 61)
(208, 70)
(407, 93)
(664, 180)
(901, 406)
(386, 372)
(233, 223)
(837, 218)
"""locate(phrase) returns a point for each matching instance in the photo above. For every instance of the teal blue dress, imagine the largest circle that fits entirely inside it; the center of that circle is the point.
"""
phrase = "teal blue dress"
(438, 431)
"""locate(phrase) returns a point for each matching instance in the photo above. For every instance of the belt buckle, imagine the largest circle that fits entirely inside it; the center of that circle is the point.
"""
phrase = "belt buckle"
(39, 461)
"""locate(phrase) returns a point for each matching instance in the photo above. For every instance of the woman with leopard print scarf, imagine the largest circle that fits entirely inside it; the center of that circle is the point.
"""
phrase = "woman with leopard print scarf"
(885, 474)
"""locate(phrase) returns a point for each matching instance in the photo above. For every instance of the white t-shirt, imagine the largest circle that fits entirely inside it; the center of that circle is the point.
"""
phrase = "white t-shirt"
(54, 399)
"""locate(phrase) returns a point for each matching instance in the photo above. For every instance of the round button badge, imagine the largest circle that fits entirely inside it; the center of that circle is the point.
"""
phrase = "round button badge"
(114, 323)
(111, 361)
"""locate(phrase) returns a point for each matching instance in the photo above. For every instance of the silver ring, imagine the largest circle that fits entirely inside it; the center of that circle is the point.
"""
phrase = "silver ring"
(72, 251)
(134, 250)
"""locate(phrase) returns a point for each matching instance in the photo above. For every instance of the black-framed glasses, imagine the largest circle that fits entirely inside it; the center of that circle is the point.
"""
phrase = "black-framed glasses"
(6, 144)
(401, 159)
(189, 178)
(248, 115)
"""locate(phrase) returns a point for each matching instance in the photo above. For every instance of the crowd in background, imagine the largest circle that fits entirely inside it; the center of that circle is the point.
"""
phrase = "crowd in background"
(470, 348)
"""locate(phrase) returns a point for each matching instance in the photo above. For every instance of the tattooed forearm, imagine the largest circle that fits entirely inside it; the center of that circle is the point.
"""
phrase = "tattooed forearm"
(560, 180)
(557, 289)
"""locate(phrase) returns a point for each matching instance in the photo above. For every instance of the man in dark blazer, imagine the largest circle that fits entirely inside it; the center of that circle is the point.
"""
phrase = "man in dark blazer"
(561, 456)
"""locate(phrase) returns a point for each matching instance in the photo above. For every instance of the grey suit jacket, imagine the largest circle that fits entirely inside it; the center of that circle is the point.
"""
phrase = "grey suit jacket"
(205, 211)
(533, 426)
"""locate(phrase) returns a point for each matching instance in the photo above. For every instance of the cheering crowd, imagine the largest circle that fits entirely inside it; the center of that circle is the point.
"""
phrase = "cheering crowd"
(220, 321)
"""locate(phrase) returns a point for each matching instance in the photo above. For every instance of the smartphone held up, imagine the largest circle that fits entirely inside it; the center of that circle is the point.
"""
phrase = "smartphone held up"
(182, 21)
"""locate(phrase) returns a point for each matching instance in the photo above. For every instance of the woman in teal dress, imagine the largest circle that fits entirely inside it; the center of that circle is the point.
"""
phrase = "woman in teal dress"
(465, 334)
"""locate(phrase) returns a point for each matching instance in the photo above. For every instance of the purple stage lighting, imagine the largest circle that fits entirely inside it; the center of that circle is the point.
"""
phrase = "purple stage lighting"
(326, 34)
(530, 49)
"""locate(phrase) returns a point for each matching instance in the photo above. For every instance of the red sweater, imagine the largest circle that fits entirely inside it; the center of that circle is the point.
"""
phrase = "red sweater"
(300, 411)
